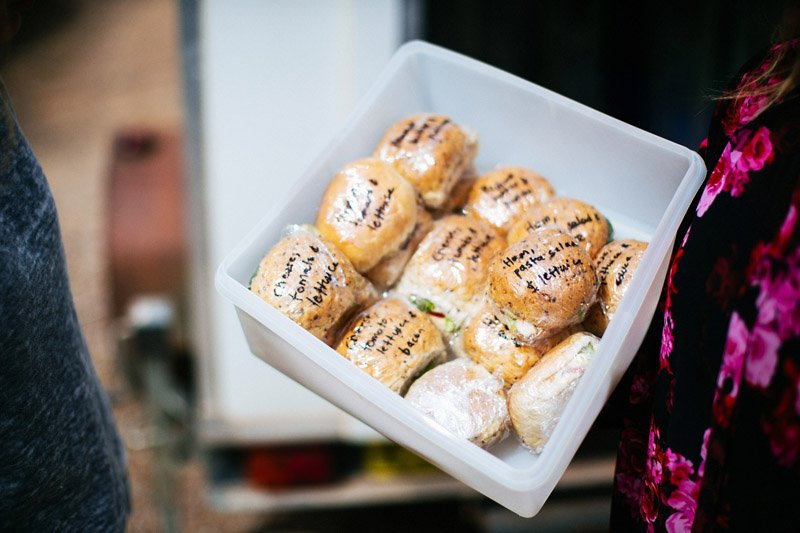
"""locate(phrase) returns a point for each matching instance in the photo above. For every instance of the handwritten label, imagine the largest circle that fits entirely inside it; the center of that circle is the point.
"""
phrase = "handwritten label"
(382, 335)
(576, 222)
(296, 280)
(545, 264)
(358, 206)
(413, 133)
(533, 225)
(354, 206)
(609, 259)
(458, 243)
(463, 244)
(320, 289)
(623, 272)
(581, 220)
(509, 191)
(380, 211)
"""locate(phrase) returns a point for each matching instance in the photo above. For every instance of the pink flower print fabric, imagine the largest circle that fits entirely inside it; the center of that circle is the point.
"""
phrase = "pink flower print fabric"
(730, 374)
(748, 152)
(711, 438)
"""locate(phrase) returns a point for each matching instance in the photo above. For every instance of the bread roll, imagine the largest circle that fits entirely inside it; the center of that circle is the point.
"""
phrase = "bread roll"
(615, 265)
(489, 342)
(431, 152)
(388, 271)
(368, 211)
(504, 194)
(538, 399)
(579, 219)
(446, 276)
(392, 342)
(457, 198)
(542, 284)
(465, 399)
(307, 279)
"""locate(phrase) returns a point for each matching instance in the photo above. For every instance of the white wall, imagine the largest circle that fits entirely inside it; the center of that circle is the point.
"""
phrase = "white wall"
(277, 79)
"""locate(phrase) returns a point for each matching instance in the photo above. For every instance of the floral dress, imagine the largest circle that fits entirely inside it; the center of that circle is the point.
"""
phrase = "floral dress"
(711, 436)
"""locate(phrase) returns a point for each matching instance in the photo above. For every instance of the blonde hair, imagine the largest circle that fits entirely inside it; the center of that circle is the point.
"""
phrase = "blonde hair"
(758, 84)
(780, 66)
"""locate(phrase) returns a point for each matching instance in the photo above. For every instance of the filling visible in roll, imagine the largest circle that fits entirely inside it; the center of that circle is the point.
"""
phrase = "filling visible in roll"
(446, 276)
(542, 284)
(489, 342)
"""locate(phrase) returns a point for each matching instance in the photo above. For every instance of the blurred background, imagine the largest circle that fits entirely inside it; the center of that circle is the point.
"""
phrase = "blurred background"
(168, 128)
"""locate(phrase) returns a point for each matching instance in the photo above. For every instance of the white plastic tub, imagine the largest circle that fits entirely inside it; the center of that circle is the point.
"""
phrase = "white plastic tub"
(641, 182)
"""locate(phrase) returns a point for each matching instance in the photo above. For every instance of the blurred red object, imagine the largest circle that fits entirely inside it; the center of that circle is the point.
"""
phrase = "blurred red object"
(147, 241)
(289, 466)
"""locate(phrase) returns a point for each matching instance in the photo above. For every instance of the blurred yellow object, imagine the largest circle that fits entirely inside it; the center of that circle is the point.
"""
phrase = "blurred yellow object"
(385, 460)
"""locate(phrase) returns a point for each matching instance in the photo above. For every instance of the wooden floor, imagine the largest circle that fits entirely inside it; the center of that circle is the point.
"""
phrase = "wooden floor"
(76, 79)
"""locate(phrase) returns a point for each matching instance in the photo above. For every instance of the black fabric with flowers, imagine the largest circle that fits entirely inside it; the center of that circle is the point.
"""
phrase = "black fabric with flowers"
(711, 437)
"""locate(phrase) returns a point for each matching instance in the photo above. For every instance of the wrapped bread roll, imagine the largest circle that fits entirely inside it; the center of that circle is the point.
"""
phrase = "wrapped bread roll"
(579, 219)
(457, 198)
(431, 152)
(465, 399)
(615, 265)
(307, 279)
(368, 211)
(489, 342)
(536, 401)
(504, 194)
(446, 276)
(542, 284)
(392, 342)
(386, 273)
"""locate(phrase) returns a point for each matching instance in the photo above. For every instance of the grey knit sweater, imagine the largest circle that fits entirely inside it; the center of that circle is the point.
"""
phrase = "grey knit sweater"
(62, 464)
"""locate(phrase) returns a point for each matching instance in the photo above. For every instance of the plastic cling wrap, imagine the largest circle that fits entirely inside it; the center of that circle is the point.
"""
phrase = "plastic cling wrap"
(368, 211)
(457, 198)
(581, 220)
(537, 401)
(504, 194)
(393, 342)
(388, 271)
(465, 399)
(431, 152)
(542, 284)
(615, 265)
(307, 279)
(446, 276)
(487, 340)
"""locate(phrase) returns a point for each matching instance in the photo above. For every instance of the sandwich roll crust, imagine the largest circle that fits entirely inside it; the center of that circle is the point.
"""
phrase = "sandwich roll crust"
(537, 401)
(392, 342)
(542, 284)
(615, 264)
(504, 194)
(489, 342)
(431, 152)
(581, 220)
(307, 279)
(368, 211)
(386, 273)
(448, 271)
